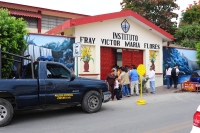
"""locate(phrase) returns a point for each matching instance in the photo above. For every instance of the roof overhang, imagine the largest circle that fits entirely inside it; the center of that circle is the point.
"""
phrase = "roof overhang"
(24, 13)
(99, 18)
(43, 10)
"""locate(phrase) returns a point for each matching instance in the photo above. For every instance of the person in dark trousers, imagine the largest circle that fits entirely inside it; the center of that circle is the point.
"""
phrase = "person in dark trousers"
(168, 77)
(116, 88)
(174, 75)
(110, 79)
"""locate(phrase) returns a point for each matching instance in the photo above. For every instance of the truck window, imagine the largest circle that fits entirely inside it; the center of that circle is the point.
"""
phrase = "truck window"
(57, 71)
(28, 72)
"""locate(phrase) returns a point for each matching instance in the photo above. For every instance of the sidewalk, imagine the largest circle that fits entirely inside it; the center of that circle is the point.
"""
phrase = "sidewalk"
(163, 90)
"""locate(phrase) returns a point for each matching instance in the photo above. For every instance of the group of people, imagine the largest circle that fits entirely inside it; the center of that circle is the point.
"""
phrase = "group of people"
(172, 76)
(126, 80)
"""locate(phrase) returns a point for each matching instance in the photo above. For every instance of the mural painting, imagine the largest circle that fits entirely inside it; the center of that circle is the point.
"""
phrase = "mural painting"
(184, 58)
(61, 48)
(152, 58)
(86, 56)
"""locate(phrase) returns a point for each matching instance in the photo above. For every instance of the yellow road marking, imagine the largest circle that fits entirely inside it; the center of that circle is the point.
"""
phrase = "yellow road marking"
(167, 128)
(177, 129)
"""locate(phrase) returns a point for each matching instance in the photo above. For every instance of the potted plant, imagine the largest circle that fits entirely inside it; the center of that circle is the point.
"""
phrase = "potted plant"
(152, 58)
(86, 57)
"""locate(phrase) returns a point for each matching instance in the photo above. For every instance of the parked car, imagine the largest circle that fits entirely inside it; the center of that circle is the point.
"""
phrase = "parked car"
(196, 121)
(195, 77)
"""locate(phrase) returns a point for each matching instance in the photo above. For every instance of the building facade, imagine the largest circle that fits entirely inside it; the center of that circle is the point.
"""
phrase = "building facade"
(122, 38)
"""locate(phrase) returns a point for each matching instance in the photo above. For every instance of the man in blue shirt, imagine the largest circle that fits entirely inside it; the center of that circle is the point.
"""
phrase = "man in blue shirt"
(134, 80)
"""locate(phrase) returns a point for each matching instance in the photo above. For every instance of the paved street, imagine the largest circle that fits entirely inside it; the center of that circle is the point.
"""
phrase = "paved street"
(163, 113)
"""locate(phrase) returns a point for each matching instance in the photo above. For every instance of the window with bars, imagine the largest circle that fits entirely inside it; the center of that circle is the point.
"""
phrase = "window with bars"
(31, 22)
(49, 22)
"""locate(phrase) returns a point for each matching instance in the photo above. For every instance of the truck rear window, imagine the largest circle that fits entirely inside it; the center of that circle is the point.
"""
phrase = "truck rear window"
(28, 71)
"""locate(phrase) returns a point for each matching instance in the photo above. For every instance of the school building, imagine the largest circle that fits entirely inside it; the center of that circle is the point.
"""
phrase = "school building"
(122, 38)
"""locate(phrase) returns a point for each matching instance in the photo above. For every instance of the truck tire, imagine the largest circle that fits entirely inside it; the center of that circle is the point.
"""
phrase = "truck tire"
(92, 102)
(6, 112)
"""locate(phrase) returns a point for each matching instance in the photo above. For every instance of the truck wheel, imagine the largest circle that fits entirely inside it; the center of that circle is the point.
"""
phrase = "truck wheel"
(92, 102)
(6, 112)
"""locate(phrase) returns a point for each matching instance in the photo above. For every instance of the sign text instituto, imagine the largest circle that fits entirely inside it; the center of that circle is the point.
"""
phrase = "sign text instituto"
(129, 40)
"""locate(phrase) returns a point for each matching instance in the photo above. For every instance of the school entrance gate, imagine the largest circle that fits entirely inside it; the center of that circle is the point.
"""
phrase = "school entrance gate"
(109, 59)
(130, 57)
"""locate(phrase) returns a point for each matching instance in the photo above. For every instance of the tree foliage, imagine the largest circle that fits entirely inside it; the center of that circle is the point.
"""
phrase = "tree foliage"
(12, 32)
(160, 12)
(198, 52)
(188, 33)
(191, 14)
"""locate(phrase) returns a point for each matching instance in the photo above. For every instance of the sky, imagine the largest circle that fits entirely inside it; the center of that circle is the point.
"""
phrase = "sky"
(87, 7)
(190, 54)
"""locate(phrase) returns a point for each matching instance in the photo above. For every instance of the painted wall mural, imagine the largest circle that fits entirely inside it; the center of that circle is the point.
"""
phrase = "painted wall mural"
(152, 58)
(61, 48)
(86, 56)
(184, 58)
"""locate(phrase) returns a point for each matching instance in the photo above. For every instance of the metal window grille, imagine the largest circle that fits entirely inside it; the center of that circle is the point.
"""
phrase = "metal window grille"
(49, 22)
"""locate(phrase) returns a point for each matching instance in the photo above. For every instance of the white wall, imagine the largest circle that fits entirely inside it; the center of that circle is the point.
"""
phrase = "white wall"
(105, 29)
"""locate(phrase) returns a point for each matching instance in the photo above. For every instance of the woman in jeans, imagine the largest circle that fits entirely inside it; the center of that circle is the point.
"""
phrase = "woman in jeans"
(168, 77)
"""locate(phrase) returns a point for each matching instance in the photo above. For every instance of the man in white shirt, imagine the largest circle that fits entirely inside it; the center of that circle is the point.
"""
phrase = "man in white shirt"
(151, 77)
(175, 76)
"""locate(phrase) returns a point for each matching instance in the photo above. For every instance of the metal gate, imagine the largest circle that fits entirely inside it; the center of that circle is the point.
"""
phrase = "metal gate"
(130, 57)
(108, 60)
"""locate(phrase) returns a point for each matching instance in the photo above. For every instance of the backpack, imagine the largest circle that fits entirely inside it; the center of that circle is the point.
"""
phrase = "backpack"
(173, 73)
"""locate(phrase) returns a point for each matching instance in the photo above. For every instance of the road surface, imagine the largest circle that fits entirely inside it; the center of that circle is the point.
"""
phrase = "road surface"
(163, 113)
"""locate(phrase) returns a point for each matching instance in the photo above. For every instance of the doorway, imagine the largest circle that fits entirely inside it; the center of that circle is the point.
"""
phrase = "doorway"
(122, 57)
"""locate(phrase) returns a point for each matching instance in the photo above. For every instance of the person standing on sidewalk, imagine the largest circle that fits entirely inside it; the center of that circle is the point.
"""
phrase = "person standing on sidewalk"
(174, 74)
(168, 77)
(124, 81)
(134, 80)
(151, 77)
(110, 79)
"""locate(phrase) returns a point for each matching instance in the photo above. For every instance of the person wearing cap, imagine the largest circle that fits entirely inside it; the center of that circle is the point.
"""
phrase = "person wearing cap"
(151, 77)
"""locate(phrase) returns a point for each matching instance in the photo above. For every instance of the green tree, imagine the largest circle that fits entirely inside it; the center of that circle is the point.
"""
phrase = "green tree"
(198, 53)
(12, 33)
(191, 14)
(188, 33)
(159, 12)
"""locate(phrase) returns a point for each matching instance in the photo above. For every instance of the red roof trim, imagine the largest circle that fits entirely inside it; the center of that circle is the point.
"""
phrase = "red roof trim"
(99, 18)
(60, 28)
(7, 4)
(25, 13)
